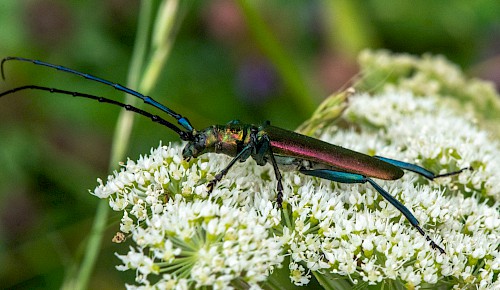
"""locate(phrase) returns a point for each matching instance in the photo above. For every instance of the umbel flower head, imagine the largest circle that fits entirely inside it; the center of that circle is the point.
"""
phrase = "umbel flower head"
(327, 234)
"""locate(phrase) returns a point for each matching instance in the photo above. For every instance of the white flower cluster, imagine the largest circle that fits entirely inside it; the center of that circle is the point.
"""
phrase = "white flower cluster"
(431, 75)
(181, 236)
(420, 130)
(352, 231)
(427, 76)
(184, 238)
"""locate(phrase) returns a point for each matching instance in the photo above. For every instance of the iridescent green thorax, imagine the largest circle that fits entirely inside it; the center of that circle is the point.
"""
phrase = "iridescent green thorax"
(232, 138)
(226, 139)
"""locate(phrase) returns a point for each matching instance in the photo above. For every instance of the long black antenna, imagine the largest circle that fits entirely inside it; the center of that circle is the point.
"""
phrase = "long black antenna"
(184, 135)
(184, 122)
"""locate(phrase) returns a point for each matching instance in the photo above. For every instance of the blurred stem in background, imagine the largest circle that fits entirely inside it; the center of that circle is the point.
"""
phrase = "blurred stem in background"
(277, 55)
(151, 49)
(348, 31)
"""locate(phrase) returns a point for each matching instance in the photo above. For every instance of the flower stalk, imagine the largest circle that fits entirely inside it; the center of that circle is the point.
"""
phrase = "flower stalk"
(153, 57)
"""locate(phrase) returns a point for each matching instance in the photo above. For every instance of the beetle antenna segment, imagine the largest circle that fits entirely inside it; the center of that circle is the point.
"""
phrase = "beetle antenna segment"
(184, 122)
(184, 135)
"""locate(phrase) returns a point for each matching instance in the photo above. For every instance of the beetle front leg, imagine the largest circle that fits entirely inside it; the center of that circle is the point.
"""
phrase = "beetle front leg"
(224, 171)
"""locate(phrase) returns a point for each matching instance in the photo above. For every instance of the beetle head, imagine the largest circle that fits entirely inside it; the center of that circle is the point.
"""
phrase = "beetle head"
(201, 143)
(195, 147)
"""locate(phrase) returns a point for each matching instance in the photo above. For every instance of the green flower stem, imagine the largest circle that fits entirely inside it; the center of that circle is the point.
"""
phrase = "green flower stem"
(283, 63)
(349, 30)
(125, 119)
(79, 276)
(162, 44)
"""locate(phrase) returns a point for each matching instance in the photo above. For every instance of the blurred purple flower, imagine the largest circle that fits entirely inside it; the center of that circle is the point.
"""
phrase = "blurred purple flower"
(256, 81)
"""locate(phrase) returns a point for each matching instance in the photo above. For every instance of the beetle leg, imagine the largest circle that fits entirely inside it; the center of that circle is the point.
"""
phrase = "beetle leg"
(346, 177)
(264, 151)
(277, 173)
(224, 171)
(418, 169)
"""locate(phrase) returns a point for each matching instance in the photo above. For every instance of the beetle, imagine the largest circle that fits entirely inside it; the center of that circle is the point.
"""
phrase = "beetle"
(283, 149)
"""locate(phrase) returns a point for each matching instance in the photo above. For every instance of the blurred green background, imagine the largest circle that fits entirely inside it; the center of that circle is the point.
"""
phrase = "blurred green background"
(52, 148)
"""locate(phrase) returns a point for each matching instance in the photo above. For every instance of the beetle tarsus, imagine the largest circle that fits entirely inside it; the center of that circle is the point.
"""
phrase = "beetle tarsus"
(213, 182)
(454, 172)
(210, 186)
(279, 199)
(432, 243)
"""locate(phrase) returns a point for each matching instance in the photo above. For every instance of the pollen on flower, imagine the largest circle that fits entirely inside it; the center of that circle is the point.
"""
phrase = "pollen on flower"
(298, 274)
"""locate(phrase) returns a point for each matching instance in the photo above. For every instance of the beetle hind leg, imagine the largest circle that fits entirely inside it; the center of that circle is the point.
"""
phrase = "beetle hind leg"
(346, 177)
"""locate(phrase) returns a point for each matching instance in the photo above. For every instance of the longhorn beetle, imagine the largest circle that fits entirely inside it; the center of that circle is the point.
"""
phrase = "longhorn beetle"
(265, 144)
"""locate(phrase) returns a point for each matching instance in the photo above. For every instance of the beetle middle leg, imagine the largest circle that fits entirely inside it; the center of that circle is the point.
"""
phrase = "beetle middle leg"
(346, 177)
(264, 151)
